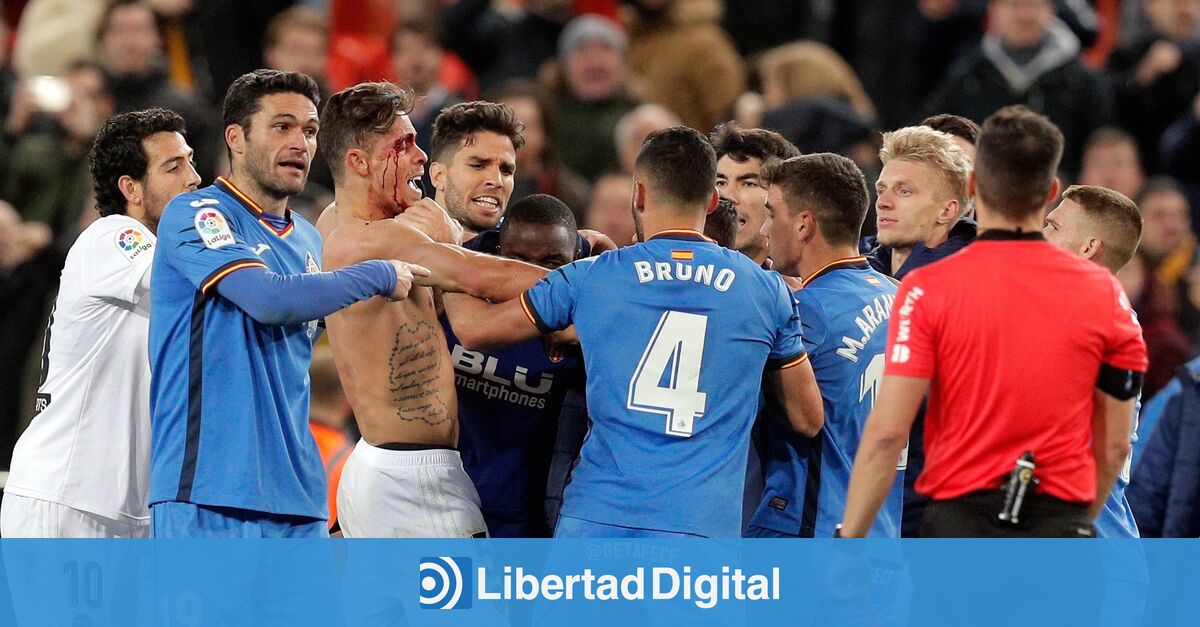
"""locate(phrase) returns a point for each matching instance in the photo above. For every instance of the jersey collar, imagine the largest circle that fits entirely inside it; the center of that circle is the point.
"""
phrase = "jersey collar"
(687, 235)
(859, 263)
(1006, 235)
(253, 207)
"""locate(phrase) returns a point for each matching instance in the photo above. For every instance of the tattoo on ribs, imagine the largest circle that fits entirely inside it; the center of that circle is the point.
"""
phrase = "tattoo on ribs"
(414, 376)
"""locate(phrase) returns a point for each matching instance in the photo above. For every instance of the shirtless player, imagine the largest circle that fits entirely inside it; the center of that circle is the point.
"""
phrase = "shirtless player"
(405, 477)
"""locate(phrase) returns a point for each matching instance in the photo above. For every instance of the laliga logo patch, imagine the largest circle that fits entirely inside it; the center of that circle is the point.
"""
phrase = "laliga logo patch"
(213, 229)
(443, 581)
(132, 242)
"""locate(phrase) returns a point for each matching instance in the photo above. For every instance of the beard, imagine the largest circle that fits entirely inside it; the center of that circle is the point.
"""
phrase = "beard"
(260, 169)
(456, 207)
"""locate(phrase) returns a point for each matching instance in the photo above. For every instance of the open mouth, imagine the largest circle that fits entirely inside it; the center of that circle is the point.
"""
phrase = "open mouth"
(294, 164)
(489, 204)
(414, 184)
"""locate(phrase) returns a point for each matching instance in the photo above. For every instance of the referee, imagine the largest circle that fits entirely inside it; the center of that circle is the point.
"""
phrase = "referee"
(1027, 353)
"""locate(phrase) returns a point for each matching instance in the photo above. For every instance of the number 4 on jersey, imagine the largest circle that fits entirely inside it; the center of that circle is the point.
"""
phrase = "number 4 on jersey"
(675, 351)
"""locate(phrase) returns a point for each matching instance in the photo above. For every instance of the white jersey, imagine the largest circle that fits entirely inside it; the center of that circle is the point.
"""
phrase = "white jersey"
(88, 446)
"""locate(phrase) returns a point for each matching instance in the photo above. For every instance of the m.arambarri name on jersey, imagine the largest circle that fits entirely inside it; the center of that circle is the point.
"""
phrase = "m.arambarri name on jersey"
(661, 583)
(873, 317)
(477, 372)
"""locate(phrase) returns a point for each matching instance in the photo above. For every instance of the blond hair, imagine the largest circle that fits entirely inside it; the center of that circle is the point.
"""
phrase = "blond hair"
(934, 149)
(807, 69)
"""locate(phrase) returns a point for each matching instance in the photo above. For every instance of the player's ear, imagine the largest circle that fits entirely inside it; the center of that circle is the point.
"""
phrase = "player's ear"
(806, 226)
(949, 212)
(130, 189)
(639, 195)
(235, 138)
(971, 184)
(1051, 195)
(357, 162)
(712, 202)
(437, 175)
(1091, 248)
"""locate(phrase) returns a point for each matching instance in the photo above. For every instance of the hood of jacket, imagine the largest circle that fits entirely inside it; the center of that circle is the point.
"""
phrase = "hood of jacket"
(1059, 47)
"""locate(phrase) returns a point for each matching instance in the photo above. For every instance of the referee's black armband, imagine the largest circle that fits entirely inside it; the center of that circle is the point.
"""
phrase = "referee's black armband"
(1118, 383)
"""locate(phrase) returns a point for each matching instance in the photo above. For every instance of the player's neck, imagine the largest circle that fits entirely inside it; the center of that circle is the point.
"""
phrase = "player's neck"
(654, 222)
(354, 202)
(993, 221)
(818, 254)
(758, 254)
(468, 233)
(899, 256)
(268, 203)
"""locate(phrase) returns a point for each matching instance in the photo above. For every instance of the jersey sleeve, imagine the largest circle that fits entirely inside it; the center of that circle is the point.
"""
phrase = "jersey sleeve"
(787, 350)
(197, 238)
(550, 303)
(117, 261)
(1125, 349)
(912, 331)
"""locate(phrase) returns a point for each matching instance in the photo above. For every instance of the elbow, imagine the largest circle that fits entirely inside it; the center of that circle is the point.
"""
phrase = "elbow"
(883, 438)
(808, 421)
(473, 337)
(1117, 451)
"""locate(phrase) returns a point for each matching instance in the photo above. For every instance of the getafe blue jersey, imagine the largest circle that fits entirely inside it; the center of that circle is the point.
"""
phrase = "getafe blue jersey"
(1116, 519)
(508, 407)
(229, 396)
(845, 308)
(675, 332)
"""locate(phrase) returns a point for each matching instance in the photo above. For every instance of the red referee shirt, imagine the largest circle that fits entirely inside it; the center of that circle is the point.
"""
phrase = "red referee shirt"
(1011, 332)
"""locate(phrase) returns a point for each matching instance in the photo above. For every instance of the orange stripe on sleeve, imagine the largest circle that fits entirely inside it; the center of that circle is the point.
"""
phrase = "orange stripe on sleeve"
(227, 271)
(795, 362)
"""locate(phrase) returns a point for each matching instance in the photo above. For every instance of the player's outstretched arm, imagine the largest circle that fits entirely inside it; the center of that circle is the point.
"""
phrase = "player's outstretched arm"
(272, 298)
(796, 388)
(883, 439)
(456, 269)
(483, 326)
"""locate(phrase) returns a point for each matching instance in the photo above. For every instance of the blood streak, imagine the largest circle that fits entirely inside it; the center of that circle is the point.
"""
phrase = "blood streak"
(393, 158)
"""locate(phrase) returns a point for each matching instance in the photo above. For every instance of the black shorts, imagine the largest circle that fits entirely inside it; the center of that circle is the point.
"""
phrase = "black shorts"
(974, 515)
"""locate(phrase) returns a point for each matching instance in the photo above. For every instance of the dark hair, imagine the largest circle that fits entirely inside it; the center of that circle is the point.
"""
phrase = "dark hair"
(297, 17)
(1158, 185)
(118, 152)
(1016, 158)
(1108, 136)
(730, 139)
(679, 163)
(539, 209)
(111, 7)
(456, 125)
(244, 97)
(1116, 215)
(955, 125)
(830, 186)
(722, 224)
(356, 116)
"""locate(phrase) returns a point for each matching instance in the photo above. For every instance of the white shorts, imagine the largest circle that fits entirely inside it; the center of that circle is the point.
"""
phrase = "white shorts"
(407, 494)
(25, 517)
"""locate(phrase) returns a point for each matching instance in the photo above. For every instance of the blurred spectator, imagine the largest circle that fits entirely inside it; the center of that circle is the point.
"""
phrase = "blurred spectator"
(1165, 490)
(1177, 154)
(680, 58)
(589, 96)
(131, 51)
(416, 60)
(1157, 74)
(1167, 241)
(538, 169)
(814, 99)
(51, 123)
(610, 209)
(225, 40)
(964, 131)
(1166, 345)
(755, 25)
(329, 417)
(633, 128)
(297, 40)
(55, 34)
(1028, 57)
(29, 270)
(8, 77)
(1110, 159)
(501, 46)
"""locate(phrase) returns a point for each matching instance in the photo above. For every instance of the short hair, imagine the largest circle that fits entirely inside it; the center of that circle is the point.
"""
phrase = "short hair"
(1016, 159)
(1110, 136)
(244, 97)
(721, 225)
(298, 17)
(679, 163)
(539, 209)
(456, 125)
(118, 151)
(740, 144)
(1118, 218)
(113, 5)
(829, 185)
(1158, 185)
(955, 125)
(933, 149)
(355, 118)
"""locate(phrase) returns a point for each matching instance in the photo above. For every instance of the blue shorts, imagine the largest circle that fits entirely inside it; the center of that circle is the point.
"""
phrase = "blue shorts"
(569, 527)
(173, 519)
(755, 531)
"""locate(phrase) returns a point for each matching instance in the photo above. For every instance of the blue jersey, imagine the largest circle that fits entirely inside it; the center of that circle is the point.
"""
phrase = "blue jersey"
(1116, 519)
(845, 308)
(229, 396)
(675, 332)
(508, 407)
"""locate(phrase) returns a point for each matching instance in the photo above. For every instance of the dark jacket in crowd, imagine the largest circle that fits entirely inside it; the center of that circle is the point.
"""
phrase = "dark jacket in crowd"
(1053, 82)
(820, 125)
(135, 92)
(498, 47)
(1165, 489)
(1146, 111)
(880, 258)
(583, 133)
